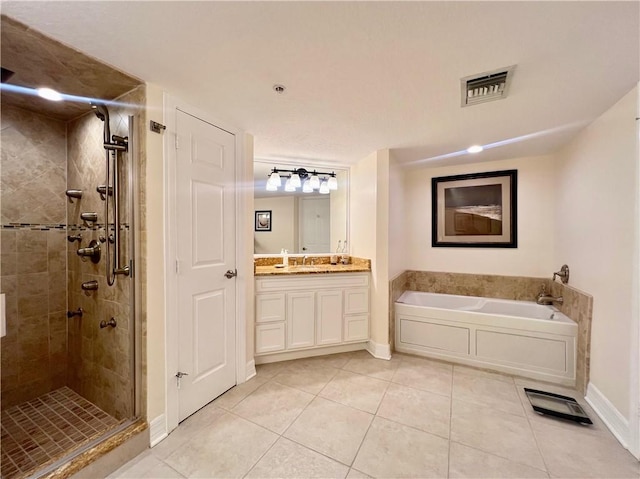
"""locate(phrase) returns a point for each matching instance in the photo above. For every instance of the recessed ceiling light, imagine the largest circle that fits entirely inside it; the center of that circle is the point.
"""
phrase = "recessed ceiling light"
(49, 94)
(475, 149)
(279, 88)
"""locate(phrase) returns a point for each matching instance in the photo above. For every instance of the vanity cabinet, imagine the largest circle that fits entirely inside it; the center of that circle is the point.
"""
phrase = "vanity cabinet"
(298, 312)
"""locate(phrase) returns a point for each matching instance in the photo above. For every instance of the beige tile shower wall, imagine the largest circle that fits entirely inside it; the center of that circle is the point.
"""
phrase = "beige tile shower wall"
(33, 266)
(577, 304)
(100, 360)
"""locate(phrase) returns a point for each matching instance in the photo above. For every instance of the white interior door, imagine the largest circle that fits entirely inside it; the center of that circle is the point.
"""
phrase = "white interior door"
(205, 207)
(314, 224)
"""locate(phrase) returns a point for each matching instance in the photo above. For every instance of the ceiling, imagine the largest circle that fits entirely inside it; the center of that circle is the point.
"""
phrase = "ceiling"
(364, 76)
(38, 61)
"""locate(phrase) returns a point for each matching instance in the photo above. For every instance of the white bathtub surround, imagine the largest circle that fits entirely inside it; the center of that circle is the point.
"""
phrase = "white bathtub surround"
(515, 337)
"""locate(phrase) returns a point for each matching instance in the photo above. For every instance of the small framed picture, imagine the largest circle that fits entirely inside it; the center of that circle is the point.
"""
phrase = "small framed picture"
(477, 210)
(263, 220)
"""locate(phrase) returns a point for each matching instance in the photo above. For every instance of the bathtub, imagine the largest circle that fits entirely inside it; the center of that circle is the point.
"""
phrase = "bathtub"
(515, 337)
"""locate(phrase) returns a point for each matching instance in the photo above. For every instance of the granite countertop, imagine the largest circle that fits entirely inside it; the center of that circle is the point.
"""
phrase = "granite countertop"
(267, 267)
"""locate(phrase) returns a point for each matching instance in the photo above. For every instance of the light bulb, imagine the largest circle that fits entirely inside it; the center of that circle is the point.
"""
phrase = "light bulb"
(315, 182)
(306, 187)
(324, 188)
(49, 94)
(275, 179)
(271, 187)
(333, 183)
(288, 185)
(295, 180)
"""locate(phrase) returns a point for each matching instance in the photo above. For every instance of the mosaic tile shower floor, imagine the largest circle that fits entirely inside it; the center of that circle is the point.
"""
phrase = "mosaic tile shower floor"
(41, 431)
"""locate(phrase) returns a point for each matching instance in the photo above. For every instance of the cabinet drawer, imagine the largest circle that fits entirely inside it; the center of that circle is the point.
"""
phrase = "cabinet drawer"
(270, 307)
(269, 337)
(356, 327)
(356, 300)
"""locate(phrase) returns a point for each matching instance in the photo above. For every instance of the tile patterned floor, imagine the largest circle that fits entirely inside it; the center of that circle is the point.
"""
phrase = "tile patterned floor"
(350, 415)
(45, 429)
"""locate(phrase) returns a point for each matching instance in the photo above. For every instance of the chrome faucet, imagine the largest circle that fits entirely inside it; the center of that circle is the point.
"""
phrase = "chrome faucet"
(546, 299)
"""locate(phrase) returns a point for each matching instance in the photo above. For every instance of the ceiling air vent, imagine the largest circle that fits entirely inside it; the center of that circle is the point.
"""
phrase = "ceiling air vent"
(486, 86)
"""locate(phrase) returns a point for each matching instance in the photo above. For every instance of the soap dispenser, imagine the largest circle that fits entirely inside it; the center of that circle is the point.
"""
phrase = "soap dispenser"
(285, 257)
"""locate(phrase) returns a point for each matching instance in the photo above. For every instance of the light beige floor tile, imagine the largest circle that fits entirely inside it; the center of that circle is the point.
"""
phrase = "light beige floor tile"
(331, 429)
(136, 467)
(393, 450)
(236, 394)
(457, 368)
(229, 449)
(420, 409)
(308, 378)
(575, 453)
(432, 376)
(269, 370)
(286, 459)
(329, 361)
(466, 462)
(355, 390)
(496, 432)
(201, 420)
(273, 406)
(486, 391)
(355, 474)
(162, 471)
(370, 366)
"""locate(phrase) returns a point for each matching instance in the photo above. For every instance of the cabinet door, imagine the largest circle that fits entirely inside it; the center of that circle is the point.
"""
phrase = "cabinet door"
(356, 300)
(300, 319)
(328, 317)
(269, 337)
(356, 327)
(269, 307)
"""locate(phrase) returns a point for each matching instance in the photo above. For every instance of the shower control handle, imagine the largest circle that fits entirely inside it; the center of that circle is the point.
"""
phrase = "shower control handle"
(92, 251)
(112, 322)
(89, 217)
(89, 285)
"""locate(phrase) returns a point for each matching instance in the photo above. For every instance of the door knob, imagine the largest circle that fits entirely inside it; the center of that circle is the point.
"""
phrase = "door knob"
(231, 273)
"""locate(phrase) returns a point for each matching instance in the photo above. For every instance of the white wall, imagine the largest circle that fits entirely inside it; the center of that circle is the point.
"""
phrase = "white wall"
(284, 225)
(369, 225)
(595, 234)
(534, 254)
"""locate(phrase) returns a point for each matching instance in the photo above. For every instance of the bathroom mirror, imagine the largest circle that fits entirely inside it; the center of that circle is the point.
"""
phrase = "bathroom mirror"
(302, 223)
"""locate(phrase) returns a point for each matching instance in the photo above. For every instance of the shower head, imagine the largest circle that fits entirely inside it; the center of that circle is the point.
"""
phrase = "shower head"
(100, 109)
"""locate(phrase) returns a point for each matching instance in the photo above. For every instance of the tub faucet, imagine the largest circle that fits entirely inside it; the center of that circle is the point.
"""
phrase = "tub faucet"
(547, 299)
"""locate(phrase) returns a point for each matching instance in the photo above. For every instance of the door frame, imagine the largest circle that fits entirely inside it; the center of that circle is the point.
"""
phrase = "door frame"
(171, 105)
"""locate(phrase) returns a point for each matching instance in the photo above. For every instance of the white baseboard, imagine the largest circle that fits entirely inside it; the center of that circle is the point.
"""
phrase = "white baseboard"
(616, 422)
(379, 351)
(157, 430)
(250, 369)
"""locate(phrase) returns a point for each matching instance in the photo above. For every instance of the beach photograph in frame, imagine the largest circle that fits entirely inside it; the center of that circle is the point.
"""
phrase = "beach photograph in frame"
(475, 210)
(263, 220)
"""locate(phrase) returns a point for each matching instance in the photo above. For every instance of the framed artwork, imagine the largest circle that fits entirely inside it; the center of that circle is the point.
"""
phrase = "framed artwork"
(477, 210)
(263, 220)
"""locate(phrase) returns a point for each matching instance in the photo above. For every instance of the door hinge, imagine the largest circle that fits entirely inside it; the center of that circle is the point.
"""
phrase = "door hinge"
(177, 142)
(177, 266)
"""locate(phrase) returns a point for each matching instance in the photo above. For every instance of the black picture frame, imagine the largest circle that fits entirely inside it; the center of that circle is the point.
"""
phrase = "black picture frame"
(262, 220)
(476, 210)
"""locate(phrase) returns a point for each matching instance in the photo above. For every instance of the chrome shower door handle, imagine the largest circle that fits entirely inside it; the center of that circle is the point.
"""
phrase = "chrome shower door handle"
(231, 274)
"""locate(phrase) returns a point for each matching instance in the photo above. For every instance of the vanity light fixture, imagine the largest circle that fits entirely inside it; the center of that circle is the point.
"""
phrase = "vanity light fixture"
(306, 187)
(324, 182)
(475, 149)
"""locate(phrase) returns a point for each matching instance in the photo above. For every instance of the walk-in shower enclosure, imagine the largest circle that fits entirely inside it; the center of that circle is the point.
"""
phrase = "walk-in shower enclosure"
(66, 381)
